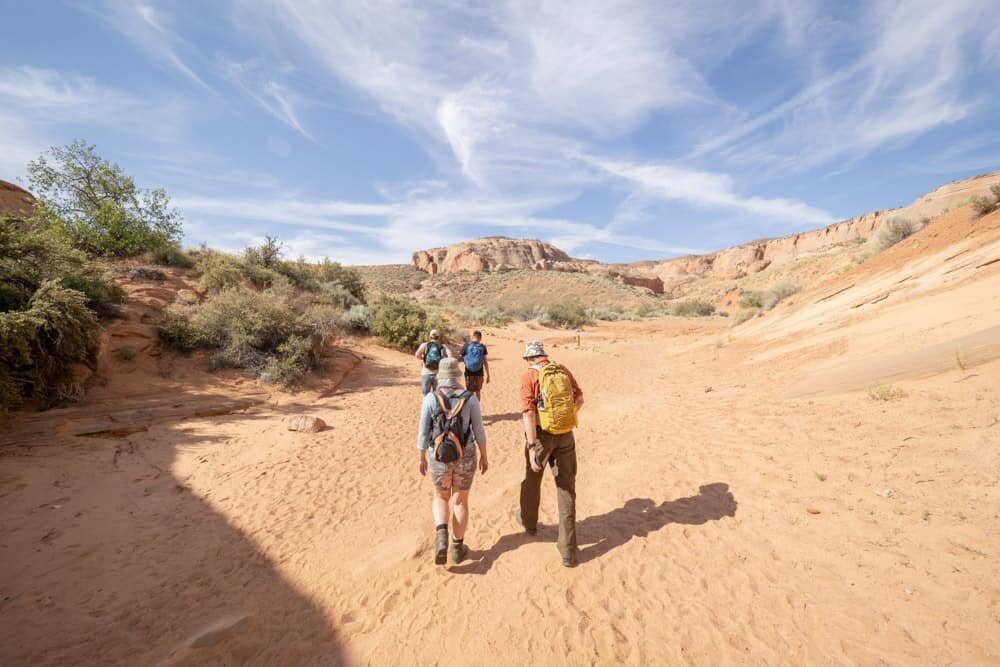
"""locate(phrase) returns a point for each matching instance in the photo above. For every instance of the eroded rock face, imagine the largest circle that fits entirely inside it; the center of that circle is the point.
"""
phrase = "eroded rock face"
(15, 200)
(749, 258)
(490, 254)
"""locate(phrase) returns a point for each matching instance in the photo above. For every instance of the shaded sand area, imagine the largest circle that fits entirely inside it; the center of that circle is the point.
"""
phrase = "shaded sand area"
(742, 499)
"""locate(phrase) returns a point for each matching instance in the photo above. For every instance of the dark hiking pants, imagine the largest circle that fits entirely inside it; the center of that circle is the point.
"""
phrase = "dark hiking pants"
(561, 450)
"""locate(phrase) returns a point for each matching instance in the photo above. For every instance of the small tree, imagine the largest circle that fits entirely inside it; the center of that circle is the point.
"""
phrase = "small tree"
(267, 254)
(97, 206)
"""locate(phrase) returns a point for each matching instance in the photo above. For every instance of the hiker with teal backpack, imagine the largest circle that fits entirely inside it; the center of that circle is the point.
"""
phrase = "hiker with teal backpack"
(430, 355)
(477, 367)
(451, 428)
(550, 400)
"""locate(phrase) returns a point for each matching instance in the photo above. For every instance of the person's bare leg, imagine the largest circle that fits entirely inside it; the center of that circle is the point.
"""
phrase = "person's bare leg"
(439, 505)
(461, 513)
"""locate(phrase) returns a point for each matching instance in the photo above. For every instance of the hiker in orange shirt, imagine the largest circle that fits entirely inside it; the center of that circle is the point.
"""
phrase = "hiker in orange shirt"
(550, 399)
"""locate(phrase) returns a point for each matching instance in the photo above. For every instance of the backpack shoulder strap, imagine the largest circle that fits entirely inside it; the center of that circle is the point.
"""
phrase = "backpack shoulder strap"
(456, 407)
(442, 400)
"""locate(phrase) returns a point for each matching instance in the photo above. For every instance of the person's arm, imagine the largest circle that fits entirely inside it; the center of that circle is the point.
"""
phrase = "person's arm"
(423, 434)
(529, 416)
(476, 421)
(486, 367)
(577, 392)
(421, 351)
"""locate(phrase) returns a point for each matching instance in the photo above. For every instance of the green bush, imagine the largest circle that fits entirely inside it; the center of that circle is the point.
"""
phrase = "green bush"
(400, 324)
(267, 254)
(694, 308)
(41, 345)
(567, 315)
(103, 294)
(358, 319)
(894, 230)
(170, 254)
(95, 205)
(218, 270)
(336, 294)
(270, 333)
(483, 315)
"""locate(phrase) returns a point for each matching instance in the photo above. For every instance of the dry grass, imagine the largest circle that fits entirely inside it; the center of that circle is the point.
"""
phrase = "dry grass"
(885, 392)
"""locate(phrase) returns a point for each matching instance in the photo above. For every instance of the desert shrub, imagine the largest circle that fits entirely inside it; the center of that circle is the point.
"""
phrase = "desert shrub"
(894, 230)
(267, 254)
(268, 333)
(777, 294)
(96, 206)
(567, 315)
(103, 294)
(31, 253)
(984, 205)
(358, 319)
(744, 314)
(125, 354)
(218, 270)
(332, 272)
(604, 314)
(694, 308)
(399, 324)
(291, 361)
(146, 273)
(750, 299)
(885, 392)
(41, 345)
(170, 254)
(336, 294)
(483, 316)
(261, 277)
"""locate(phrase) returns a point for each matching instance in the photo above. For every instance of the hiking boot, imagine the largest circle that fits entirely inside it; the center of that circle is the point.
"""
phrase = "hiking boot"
(571, 560)
(441, 547)
(458, 552)
(520, 522)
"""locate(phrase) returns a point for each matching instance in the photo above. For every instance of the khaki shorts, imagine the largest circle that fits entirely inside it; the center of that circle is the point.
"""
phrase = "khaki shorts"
(456, 475)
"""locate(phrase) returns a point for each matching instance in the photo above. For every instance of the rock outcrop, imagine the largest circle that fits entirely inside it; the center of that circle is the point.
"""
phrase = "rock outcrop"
(494, 253)
(498, 253)
(15, 200)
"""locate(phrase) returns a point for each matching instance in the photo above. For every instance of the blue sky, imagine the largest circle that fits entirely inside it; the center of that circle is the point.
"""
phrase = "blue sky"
(616, 130)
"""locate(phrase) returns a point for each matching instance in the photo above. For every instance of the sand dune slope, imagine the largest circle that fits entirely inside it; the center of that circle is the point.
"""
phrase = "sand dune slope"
(727, 515)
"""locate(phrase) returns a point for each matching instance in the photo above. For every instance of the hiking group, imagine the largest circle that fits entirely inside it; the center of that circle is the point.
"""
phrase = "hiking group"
(451, 439)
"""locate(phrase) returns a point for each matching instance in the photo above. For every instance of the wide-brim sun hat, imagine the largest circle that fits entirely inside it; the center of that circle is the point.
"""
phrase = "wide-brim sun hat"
(533, 348)
(448, 369)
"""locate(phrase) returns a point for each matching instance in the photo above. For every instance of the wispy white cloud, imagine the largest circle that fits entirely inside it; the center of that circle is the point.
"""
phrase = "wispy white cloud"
(709, 189)
(271, 95)
(906, 80)
(148, 28)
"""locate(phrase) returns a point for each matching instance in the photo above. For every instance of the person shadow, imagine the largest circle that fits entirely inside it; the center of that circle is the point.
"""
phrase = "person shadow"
(638, 517)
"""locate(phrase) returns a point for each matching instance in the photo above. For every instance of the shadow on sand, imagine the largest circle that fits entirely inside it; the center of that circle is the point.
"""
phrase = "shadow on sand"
(638, 517)
(159, 575)
(489, 420)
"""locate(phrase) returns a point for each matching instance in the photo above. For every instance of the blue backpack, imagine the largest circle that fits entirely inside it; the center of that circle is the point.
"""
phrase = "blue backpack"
(433, 355)
(474, 357)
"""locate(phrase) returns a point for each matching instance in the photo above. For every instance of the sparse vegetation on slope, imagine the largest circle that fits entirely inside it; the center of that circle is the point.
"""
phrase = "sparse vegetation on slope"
(984, 205)
(44, 283)
(895, 230)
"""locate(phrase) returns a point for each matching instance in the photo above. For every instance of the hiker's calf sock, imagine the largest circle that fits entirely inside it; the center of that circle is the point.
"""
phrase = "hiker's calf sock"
(455, 540)
(442, 526)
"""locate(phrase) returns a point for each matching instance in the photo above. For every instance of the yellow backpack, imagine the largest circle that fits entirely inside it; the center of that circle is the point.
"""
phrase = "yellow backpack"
(556, 409)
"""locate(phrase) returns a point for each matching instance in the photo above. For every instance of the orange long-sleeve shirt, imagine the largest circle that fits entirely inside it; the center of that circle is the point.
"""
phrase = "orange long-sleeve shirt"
(530, 390)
